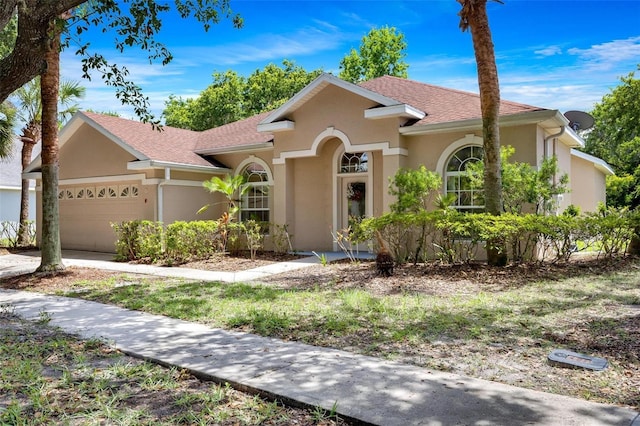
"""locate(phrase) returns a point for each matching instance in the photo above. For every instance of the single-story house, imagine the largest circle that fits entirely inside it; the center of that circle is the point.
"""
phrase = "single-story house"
(323, 156)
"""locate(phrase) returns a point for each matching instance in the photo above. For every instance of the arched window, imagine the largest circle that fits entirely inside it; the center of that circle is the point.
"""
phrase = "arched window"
(467, 198)
(255, 200)
(357, 162)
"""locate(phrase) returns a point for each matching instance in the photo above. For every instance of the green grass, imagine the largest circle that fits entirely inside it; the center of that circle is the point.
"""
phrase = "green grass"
(43, 381)
(321, 314)
(502, 335)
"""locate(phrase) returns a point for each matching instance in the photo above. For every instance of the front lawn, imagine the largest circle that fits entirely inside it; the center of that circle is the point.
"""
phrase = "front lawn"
(465, 325)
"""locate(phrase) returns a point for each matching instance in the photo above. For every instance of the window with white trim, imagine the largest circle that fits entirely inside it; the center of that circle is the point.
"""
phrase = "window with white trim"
(254, 203)
(357, 162)
(457, 181)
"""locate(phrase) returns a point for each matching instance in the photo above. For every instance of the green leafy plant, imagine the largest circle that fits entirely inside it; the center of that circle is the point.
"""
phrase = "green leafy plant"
(523, 185)
(322, 257)
(414, 190)
(231, 187)
(254, 235)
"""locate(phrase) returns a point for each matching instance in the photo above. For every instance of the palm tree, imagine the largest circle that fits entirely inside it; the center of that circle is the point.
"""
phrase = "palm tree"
(7, 119)
(29, 104)
(232, 187)
(50, 247)
(473, 16)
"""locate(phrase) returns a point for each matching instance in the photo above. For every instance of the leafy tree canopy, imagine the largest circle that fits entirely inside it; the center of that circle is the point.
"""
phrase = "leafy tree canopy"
(7, 121)
(133, 23)
(382, 52)
(615, 137)
(524, 185)
(232, 97)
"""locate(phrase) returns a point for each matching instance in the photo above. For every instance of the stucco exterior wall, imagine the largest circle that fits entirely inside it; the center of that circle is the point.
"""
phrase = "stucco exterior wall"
(592, 188)
(312, 190)
(89, 153)
(339, 109)
(183, 202)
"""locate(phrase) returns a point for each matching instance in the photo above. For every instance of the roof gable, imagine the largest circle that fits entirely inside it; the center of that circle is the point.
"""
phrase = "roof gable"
(322, 81)
(170, 145)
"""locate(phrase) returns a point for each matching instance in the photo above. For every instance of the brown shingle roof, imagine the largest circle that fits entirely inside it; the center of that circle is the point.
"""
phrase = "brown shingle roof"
(236, 134)
(441, 104)
(170, 145)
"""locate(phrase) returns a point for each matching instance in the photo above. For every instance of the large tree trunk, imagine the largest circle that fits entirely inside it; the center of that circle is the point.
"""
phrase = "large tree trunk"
(28, 141)
(51, 252)
(26, 59)
(474, 16)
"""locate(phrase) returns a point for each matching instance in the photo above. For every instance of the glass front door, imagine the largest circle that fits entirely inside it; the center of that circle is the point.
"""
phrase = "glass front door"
(354, 201)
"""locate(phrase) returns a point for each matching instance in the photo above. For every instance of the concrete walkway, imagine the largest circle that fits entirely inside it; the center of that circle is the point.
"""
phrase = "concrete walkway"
(362, 388)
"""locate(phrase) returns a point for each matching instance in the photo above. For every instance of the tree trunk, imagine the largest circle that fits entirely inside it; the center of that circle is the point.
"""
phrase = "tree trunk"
(23, 231)
(489, 86)
(51, 252)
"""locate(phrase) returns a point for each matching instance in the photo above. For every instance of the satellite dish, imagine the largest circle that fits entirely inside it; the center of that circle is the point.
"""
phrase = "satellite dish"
(579, 120)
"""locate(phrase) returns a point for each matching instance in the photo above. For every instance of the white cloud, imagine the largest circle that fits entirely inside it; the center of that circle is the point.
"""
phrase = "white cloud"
(606, 55)
(549, 51)
(306, 42)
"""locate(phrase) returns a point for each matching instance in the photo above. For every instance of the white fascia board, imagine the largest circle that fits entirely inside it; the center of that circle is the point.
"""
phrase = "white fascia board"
(154, 164)
(571, 138)
(319, 83)
(463, 125)
(476, 123)
(72, 126)
(277, 126)
(256, 147)
(400, 110)
(599, 163)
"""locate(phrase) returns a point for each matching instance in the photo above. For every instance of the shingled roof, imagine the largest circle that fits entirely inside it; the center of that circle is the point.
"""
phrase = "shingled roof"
(172, 145)
(169, 145)
(442, 105)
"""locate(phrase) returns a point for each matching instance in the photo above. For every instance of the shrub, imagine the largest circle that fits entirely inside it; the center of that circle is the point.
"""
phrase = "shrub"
(192, 240)
(139, 239)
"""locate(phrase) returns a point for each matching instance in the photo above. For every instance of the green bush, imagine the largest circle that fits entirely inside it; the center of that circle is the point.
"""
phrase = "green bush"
(455, 237)
(139, 239)
(192, 240)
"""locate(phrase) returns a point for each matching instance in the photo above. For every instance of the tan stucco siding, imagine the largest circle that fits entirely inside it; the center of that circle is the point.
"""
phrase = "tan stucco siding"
(591, 189)
(563, 154)
(335, 108)
(524, 140)
(312, 191)
(183, 202)
(380, 188)
(89, 153)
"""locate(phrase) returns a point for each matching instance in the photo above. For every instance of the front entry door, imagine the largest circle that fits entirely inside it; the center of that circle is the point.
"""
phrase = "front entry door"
(354, 193)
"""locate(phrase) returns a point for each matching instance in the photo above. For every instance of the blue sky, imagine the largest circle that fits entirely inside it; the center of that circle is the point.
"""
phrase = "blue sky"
(562, 54)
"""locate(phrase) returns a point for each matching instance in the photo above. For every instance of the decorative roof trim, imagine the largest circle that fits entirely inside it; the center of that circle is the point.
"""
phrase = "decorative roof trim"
(73, 125)
(476, 123)
(155, 164)
(322, 81)
(330, 132)
(255, 147)
(598, 163)
(277, 126)
(401, 111)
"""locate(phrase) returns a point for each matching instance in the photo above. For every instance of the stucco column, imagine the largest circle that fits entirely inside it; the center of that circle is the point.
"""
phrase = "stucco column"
(390, 165)
(283, 202)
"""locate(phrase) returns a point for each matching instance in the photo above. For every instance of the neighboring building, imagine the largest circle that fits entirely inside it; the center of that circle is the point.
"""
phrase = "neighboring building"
(322, 157)
(11, 187)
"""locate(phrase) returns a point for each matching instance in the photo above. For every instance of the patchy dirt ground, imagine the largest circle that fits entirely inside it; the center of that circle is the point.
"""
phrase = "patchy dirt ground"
(520, 362)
